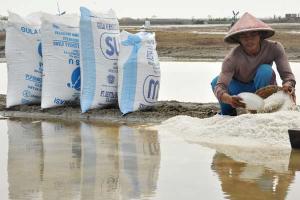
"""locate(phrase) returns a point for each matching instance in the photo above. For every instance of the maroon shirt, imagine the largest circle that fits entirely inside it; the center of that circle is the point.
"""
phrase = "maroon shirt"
(242, 67)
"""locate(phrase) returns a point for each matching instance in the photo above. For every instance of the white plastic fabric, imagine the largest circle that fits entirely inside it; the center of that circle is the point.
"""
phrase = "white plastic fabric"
(99, 44)
(24, 60)
(252, 101)
(61, 57)
(279, 101)
(139, 71)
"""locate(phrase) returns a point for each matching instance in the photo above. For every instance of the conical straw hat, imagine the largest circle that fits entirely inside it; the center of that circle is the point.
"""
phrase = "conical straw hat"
(248, 23)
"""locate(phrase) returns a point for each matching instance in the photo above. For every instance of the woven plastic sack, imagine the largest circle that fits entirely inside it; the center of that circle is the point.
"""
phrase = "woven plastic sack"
(99, 44)
(139, 72)
(23, 50)
(61, 76)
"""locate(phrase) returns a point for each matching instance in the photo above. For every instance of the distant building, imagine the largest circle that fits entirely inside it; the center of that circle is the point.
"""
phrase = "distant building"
(147, 24)
(3, 25)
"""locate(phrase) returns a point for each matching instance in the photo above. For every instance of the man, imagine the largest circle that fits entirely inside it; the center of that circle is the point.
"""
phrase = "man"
(248, 67)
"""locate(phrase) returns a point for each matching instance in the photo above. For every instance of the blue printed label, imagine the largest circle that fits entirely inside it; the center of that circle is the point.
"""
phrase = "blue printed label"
(151, 88)
(109, 45)
(75, 79)
(31, 31)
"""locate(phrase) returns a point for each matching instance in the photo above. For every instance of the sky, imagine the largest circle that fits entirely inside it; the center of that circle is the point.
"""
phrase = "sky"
(158, 8)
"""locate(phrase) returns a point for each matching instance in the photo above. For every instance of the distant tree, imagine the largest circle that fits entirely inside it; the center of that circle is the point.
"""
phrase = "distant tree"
(198, 21)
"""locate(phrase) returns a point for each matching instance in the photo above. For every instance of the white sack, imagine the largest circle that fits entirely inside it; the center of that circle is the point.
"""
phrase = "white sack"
(139, 71)
(23, 52)
(99, 40)
(61, 57)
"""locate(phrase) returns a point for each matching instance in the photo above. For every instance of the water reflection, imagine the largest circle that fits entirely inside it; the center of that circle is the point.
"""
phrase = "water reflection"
(62, 160)
(241, 180)
(25, 160)
(139, 162)
(73, 160)
(100, 166)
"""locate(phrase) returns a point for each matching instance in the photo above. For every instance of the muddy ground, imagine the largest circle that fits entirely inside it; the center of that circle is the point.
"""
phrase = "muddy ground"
(160, 112)
(205, 42)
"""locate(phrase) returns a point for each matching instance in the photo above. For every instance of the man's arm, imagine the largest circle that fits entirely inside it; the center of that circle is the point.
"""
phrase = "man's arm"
(284, 70)
(234, 101)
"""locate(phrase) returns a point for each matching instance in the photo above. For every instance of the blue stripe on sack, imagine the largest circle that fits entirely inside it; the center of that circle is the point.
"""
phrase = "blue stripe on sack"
(88, 72)
(130, 75)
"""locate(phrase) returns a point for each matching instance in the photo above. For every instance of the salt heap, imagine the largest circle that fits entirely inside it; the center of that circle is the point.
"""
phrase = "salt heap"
(259, 139)
(249, 130)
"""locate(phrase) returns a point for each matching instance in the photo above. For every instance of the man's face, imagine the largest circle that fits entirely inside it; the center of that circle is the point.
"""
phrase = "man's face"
(250, 42)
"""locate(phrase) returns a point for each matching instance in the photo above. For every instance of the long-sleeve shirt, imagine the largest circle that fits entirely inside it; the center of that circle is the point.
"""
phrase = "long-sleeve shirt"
(240, 66)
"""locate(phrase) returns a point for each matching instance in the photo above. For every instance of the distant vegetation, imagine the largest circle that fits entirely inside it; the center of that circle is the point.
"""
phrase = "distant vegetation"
(126, 21)
(179, 21)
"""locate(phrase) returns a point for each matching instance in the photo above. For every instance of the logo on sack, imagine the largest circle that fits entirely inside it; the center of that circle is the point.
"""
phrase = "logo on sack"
(111, 79)
(40, 49)
(75, 79)
(151, 88)
(39, 67)
(109, 45)
(26, 93)
(55, 26)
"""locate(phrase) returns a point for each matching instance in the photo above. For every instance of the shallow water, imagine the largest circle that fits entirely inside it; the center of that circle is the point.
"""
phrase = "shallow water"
(182, 81)
(78, 160)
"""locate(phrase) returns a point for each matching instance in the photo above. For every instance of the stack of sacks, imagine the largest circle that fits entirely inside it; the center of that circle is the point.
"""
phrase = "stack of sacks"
(99, 45)
(139, 72)
(81, 61)
(61, 57)
(23, 52)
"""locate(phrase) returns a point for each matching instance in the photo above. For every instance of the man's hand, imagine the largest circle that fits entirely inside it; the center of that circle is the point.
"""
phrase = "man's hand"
(287, 88)
(234, 101)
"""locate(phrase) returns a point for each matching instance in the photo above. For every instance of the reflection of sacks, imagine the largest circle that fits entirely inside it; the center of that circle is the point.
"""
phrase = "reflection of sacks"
(100, 162)
(99, 45)
(139, 72)
(24, 60)
(61, 80)
(139, 162)
(25, 159)
(267, 91)
(62, 160)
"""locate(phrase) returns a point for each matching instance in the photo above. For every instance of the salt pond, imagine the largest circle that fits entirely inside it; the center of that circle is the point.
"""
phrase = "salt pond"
(78, 160)
(181, 81)
(244, 157)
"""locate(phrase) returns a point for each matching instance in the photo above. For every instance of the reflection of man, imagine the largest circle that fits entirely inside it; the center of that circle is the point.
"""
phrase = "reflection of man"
(248, 67)
(242, 181)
